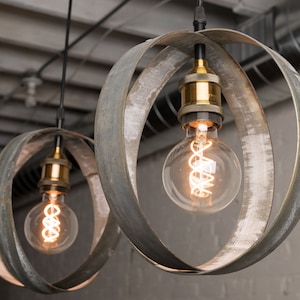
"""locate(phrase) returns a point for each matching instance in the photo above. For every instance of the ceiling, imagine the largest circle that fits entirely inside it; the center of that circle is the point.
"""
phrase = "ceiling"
(32, 35)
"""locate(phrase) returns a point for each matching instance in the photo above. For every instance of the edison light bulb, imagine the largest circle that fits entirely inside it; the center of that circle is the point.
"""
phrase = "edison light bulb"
(51, 226)
(201, 174)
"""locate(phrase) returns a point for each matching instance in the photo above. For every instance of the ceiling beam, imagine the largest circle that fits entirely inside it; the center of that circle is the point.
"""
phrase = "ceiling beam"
(44, 33)
(155, 17)
(19, 60)
(49, 93)
(41, 114)
(246, 7)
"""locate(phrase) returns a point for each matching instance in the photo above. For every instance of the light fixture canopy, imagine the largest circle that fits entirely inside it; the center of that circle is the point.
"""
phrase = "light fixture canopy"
(31, 82)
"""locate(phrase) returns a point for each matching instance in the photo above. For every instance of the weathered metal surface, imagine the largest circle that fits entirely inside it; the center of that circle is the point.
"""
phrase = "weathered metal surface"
(14, 265)
(289, 213)
(117, 146)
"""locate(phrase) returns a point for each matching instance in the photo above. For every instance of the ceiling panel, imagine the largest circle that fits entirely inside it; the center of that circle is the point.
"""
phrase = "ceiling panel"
(32, 32)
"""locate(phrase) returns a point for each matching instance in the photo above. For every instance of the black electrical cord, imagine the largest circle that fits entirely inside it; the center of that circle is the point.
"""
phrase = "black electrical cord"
(199, 24)
(60, 113)
(57, 55)
(79, 38)
(61, 110)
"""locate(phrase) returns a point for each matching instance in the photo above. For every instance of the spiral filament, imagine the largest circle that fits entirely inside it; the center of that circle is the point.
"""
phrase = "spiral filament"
(51, 223)
(201, 176)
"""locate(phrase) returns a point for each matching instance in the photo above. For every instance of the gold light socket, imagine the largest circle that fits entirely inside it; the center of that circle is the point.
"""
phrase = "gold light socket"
(200, 93)
(55, 173)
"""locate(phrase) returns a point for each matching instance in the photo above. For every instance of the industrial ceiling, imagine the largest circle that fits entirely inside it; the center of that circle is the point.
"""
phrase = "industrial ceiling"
(32, 37)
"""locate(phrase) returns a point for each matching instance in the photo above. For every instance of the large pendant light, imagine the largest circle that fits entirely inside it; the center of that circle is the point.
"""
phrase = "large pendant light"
(254, 236)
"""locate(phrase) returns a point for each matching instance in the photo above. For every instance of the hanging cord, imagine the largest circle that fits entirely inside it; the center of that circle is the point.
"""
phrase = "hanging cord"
(57, 55)
(103, 37)
(199, 24)
(80, 37)
(61, 111)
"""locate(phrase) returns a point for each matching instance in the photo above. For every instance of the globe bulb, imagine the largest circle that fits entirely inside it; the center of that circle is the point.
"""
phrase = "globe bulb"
(51, 226)
(201, 174)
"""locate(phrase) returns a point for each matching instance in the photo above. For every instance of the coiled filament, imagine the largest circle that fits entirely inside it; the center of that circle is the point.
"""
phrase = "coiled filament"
(51, 223)
(202, 168)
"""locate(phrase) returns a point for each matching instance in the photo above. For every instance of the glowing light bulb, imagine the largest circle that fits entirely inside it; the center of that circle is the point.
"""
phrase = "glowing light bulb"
(202, 168)
(51, 226)
(51, 222)
(201, 174)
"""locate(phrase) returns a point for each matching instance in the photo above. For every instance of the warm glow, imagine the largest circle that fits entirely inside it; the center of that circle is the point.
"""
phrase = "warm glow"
(51, 223)
(201, 176)
(51, 226)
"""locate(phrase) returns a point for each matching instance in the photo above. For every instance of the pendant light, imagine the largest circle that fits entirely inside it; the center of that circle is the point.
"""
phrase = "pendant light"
(201, 174)
(51, 226)
(253, 236)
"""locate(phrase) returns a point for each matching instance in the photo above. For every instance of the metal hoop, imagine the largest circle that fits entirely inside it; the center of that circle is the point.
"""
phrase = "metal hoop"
(14, 265)
(249, 242)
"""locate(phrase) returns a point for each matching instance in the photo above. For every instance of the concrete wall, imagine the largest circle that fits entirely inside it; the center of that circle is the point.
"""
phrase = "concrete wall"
(128, 276)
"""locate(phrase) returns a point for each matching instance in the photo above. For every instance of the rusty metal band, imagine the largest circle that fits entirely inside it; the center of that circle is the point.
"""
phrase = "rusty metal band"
(14, 265)
(117, 147)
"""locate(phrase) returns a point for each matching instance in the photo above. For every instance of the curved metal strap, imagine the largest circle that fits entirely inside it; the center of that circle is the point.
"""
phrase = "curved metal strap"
(112, 160)
(106, 233)
(119, 167)
(254, 134)
(289, 213)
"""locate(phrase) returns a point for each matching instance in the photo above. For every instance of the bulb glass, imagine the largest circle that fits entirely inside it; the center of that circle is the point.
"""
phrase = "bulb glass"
(201, 174)
(51, 226)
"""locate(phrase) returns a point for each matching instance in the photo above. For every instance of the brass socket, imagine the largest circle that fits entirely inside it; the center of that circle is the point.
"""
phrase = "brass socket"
(55, 173)
(200, 92)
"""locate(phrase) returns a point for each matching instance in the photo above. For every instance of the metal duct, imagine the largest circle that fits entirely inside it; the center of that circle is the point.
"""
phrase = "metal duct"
(278, 28)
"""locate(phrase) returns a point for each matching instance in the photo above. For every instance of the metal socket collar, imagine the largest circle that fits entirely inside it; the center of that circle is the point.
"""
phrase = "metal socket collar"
(200, 96)
(55, 173)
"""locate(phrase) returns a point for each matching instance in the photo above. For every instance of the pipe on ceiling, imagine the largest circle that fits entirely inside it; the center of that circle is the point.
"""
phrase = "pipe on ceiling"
(278, 28)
